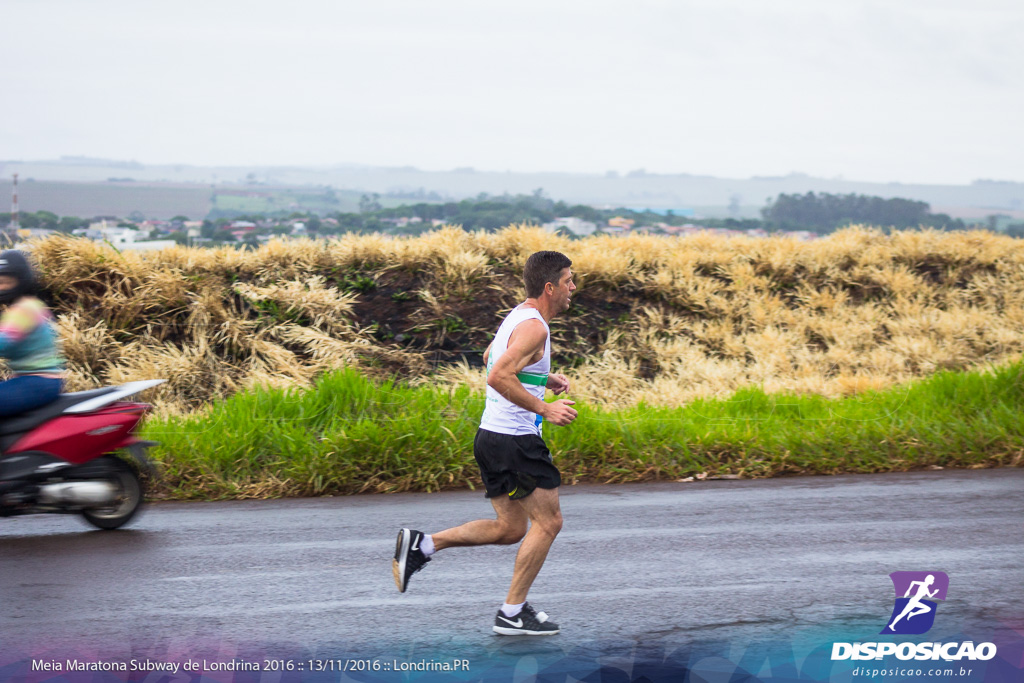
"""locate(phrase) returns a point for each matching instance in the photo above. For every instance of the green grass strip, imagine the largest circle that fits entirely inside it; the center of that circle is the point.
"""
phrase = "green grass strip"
(350, 435)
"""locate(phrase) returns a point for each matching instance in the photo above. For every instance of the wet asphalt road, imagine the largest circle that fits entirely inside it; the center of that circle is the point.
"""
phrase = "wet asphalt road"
(653, 563)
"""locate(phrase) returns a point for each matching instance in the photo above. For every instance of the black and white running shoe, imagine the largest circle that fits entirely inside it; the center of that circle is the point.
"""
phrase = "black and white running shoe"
(409, 559)
(527, 623)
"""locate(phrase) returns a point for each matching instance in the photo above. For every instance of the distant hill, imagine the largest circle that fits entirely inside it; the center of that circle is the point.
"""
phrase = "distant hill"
(157, 200)
(188, 189)
(163, 200)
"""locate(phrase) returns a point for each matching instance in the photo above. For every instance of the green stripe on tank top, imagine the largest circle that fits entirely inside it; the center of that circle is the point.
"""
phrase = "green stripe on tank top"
(530, 378)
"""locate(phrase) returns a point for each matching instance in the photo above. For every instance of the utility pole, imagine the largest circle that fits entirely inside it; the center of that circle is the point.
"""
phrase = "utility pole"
(13, 226)
(14, 205)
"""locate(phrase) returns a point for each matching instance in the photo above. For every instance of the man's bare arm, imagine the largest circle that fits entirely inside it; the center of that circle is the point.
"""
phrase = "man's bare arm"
(526, 342)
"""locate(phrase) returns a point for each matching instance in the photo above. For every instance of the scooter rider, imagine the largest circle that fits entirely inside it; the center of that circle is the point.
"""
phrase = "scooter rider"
(28, 340)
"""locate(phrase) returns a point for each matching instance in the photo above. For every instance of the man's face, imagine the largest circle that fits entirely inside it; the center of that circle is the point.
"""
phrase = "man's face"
(564, 289)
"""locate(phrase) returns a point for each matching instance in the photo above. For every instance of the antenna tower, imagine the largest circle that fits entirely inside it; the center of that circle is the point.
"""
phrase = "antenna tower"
(14, 205)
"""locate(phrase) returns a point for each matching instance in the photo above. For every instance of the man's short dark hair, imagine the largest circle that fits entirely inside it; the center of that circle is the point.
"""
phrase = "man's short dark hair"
(541, 268)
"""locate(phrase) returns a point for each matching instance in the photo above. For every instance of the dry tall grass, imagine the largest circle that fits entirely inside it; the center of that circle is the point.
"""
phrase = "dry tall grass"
(704, 315)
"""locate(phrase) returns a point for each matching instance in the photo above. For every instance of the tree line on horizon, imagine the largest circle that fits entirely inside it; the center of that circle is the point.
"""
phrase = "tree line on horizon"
(825, 212)
(821, 213)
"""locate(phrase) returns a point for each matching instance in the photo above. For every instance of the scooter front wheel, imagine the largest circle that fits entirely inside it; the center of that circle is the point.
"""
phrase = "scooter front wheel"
(128, 500)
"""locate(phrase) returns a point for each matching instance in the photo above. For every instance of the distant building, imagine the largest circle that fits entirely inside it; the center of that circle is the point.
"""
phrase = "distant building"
(577, 226)
(620, 222)
(107, 230)
(159, 226)
(148, 245)
(125, 239)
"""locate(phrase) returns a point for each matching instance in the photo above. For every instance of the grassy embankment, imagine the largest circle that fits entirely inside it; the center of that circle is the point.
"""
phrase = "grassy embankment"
(664, 340)
(350, 435)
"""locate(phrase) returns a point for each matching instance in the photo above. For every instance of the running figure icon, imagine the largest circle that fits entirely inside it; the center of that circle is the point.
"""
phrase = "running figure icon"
(915, 607)
(917, 594)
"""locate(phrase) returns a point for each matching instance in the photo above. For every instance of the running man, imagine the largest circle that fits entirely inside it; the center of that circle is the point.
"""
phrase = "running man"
(515, 464)
(914, 605)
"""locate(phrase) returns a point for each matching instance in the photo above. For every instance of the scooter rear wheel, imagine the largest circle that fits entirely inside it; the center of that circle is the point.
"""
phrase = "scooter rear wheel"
(128, 501)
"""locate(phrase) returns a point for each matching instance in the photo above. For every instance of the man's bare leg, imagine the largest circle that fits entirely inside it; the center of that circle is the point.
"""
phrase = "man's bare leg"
(545, 515)
(508, 528)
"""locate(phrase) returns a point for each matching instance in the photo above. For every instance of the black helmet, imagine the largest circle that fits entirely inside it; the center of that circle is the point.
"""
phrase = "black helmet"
(13, 263)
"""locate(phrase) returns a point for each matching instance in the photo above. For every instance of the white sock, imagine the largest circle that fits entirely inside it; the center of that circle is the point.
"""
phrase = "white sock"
(427, 545)
(512, 610)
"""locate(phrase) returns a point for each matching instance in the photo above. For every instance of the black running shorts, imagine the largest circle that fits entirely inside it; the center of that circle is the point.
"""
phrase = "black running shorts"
(514, 466)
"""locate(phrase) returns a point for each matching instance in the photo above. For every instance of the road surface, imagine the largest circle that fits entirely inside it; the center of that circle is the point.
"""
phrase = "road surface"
(639, 572)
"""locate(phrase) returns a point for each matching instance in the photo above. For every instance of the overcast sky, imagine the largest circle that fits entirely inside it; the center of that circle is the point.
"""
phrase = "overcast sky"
(896, 90)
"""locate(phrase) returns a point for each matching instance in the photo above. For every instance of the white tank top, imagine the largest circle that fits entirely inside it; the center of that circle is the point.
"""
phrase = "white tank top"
(500, 414)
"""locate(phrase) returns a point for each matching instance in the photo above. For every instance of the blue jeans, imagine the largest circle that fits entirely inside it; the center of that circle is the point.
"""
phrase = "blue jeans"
(22, 394)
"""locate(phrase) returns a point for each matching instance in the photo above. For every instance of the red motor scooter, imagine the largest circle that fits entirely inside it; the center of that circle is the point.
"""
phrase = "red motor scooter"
(60, 458)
